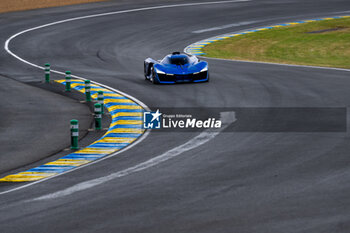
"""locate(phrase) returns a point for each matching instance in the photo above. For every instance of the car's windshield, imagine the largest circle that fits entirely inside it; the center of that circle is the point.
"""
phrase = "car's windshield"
(176, 60)
(179, 60)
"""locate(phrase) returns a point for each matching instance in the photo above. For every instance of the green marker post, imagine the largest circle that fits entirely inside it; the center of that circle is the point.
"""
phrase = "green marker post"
(68, 80)
(98, 117)
(87, 90)
(74, 129)
(47, 72)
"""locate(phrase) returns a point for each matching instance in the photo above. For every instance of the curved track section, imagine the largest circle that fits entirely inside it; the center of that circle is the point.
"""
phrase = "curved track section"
(236, 182)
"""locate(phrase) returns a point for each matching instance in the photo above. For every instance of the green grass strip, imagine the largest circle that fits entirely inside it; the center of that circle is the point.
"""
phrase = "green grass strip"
(318, 43)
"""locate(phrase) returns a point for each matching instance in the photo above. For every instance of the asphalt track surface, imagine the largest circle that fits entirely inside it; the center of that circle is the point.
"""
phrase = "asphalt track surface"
(34, 122)
(237, 182)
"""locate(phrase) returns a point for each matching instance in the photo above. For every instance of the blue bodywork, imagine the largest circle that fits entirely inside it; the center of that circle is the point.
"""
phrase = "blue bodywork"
(176, 68)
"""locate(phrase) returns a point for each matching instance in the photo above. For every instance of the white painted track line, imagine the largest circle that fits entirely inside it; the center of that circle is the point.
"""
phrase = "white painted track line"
(278, 64)
(224, 27)
(8, 50)
(226, 118)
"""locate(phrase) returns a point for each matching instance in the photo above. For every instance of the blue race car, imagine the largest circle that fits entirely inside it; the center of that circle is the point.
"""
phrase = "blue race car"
(175, 68)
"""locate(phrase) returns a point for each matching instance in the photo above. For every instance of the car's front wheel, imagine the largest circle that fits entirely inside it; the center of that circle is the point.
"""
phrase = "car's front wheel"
(145, 70)
(208, 78)
(153, 76)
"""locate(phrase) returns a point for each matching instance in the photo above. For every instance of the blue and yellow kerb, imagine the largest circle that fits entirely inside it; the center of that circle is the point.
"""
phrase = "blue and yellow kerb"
(126, 127)
(196, 48)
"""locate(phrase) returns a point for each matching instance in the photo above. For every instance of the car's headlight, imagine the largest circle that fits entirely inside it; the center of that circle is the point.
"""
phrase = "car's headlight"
(204, 69)
(159, 71)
